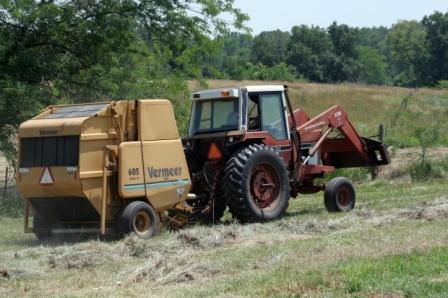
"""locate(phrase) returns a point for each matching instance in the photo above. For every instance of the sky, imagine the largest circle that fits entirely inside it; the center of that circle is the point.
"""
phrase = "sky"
(284, 14)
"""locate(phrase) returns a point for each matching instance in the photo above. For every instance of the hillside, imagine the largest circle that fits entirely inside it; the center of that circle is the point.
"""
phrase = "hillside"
(401, 110)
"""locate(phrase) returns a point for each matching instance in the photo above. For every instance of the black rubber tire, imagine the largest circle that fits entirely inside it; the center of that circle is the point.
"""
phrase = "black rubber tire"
(42, 228)
(236, 188)
(130, 218)
(332, 192)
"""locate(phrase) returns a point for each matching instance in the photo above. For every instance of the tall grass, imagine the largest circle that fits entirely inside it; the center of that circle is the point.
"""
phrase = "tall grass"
(11, 205)
(367, 106)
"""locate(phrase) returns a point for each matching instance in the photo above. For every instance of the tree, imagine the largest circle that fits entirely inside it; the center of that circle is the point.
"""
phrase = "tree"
(74, 51)
(344, 66)
(270, 47)
(235, 52)
(310, 52)
(409, 54)
(436, 26)
(373, 66)
(373, 37)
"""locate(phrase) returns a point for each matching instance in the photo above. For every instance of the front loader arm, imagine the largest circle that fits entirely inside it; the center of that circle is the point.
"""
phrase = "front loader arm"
(347, 150)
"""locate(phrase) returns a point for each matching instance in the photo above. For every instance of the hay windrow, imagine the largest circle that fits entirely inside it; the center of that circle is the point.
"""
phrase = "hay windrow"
(182, 256)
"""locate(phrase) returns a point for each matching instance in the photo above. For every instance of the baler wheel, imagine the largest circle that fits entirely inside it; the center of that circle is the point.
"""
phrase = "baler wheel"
(139, 218)
(42, 227)
(256, 184)
(339, 195)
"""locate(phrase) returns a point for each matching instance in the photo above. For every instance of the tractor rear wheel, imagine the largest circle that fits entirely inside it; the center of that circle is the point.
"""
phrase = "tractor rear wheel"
(139, 218)
(339, 195)
(256, 184)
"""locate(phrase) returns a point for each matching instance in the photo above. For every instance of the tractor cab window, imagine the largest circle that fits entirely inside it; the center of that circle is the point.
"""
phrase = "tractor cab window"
(216, 116)
(253, 113)
(265, 112)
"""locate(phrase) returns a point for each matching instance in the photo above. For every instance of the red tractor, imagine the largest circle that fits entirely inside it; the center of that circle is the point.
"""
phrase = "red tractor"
(248, 150)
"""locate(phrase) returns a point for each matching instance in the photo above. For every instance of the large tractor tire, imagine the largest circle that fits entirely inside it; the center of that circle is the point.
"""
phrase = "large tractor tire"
(42, 227)
(139, 218)
(256, 184)
(339, 195)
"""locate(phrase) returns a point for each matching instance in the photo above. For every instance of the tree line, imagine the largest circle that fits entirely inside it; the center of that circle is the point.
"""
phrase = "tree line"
(54, 52)
(409, 54)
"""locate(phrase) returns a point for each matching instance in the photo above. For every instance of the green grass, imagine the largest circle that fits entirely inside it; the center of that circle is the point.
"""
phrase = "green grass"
(426, 274)
(392, 245)
(368, 106)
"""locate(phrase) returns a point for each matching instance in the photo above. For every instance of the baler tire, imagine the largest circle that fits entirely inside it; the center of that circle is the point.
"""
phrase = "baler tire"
(339, 195)
(247, 166)
(42, 228)
(136, 214)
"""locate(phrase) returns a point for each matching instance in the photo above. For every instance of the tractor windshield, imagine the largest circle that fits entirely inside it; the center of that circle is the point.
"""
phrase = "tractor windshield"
(215, 116)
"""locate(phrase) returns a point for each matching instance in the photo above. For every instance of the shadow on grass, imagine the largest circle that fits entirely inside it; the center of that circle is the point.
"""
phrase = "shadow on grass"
(305, 211)
(62, 239)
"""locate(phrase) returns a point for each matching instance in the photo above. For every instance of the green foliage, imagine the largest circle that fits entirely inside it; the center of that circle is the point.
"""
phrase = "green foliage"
(442, 84)
(426, 170)
(374, 37)
(236, 51)
(408, 52)
(411, 125)
(373, 66)
(310, 52)
(78, 51)
(279, 72)
(12, 205)
(344, 66)
(270, 48)
(436, 26)
(358, 175)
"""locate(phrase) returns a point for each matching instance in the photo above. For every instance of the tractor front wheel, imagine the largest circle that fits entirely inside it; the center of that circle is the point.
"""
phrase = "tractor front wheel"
(141, 219)
(339, 195)
(256, 184)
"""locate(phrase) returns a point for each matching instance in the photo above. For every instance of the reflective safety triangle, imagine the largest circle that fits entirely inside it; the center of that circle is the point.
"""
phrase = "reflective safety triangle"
(47, 177)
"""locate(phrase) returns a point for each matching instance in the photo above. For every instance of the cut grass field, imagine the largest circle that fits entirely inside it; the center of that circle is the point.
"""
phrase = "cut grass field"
(393, 245)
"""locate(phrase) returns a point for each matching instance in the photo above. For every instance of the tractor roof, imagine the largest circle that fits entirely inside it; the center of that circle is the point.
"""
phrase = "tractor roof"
(265, 88)
(233, 92)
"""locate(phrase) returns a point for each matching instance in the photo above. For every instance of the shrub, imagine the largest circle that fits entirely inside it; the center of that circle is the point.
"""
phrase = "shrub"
(442, 84)
(12, 205)
(427, 170)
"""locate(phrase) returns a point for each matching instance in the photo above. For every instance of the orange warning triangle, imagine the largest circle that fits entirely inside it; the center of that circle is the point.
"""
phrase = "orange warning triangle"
(47, 177)
(213, 152)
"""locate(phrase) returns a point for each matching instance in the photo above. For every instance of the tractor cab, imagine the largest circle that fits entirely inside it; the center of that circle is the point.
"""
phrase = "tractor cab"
(246, 109)
(224, 119)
